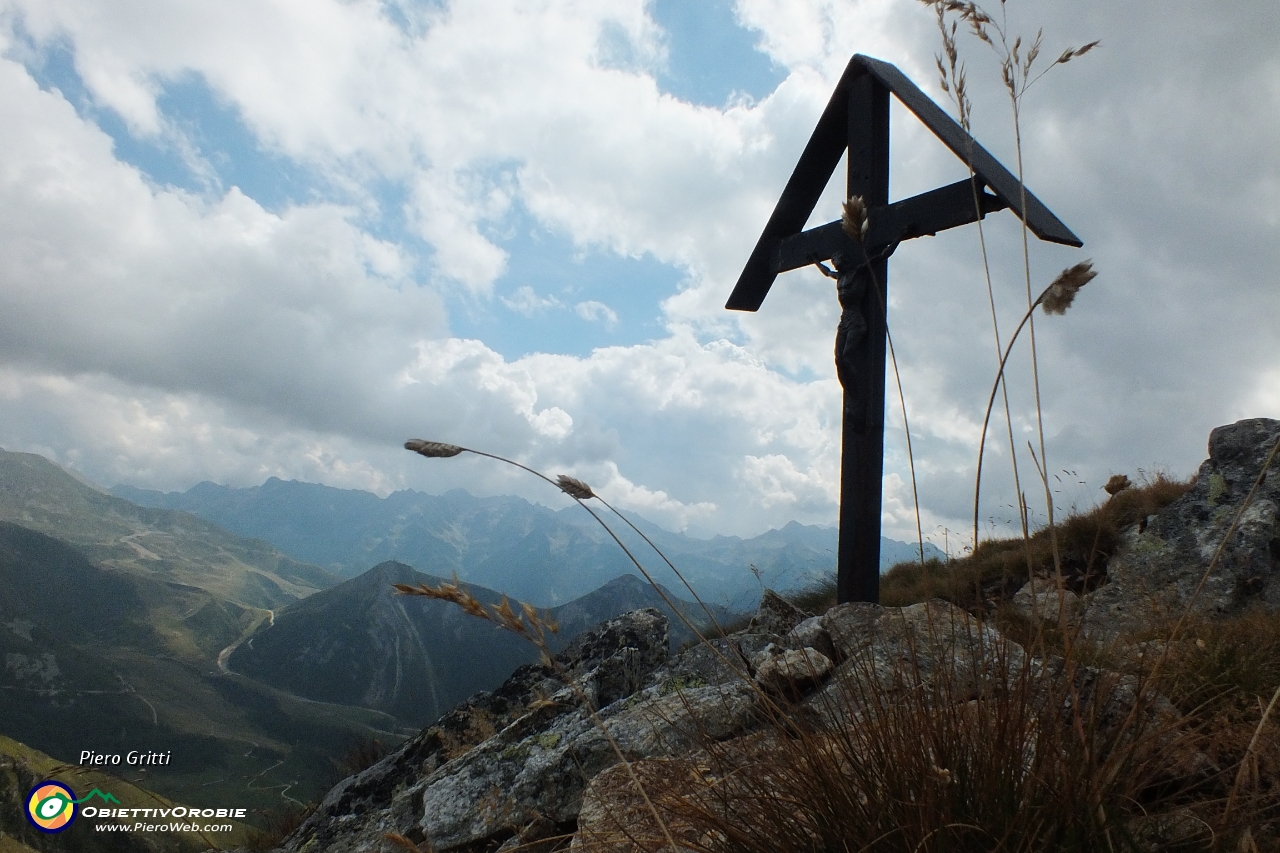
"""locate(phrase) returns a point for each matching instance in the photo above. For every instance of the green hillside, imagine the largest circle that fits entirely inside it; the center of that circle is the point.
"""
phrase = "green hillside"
(163, 544)
(90, 664)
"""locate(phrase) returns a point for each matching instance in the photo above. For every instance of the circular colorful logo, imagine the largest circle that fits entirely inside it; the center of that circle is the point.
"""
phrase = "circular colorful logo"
(51, 806)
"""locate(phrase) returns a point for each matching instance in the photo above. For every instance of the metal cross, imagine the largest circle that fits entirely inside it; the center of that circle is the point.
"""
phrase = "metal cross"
(857, 118)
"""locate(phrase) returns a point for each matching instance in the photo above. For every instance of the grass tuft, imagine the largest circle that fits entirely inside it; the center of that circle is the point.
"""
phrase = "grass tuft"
(1000, 567)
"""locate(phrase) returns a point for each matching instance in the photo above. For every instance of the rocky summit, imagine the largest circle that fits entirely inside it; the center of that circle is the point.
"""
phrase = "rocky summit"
(540, 759)
(1215, 550)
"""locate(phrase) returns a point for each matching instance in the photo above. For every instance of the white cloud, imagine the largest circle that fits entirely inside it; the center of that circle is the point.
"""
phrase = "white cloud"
(597, 312)
(103, 273)
(525, 301)
(676, 413)
(161, 337)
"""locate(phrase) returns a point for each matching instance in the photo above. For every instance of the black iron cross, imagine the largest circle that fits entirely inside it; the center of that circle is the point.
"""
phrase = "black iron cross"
(857, 119)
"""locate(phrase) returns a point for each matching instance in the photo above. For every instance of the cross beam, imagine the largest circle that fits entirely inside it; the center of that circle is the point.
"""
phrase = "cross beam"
(857, 119)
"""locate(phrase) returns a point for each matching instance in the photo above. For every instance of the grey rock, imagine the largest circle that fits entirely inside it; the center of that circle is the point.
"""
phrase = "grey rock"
(616, 657)
(1159, 567)
(1042, 599)
(616, 819)
(776, 615)
(933, 646)
(848, 625)
(720, 661)
(793, 671)
(543, 770)
(811, 633)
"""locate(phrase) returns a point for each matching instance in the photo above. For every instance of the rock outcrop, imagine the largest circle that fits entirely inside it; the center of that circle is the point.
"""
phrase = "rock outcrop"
(541, 758)
(517, 763)
(1178, 558)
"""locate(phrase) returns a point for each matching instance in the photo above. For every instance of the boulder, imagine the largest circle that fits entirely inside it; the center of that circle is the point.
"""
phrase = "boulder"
(1178, 559)
(791, 671)
(896, 647)
(811, 634)
(615, 817)
(1041, 599)
(775, 615)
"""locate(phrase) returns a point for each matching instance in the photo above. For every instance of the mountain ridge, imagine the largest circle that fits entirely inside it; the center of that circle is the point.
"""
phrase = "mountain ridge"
(534, 553)
(154, 541)
(415, 657)
(90, 661)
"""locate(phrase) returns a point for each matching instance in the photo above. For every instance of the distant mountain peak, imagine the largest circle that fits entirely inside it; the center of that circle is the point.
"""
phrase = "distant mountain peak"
(531, 552)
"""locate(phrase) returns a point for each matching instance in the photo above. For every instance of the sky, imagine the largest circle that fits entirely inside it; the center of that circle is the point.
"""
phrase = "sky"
(242, 239)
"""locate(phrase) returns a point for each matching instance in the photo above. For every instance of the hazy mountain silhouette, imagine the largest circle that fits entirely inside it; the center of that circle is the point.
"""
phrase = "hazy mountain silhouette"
(533, 553)
(155, 542)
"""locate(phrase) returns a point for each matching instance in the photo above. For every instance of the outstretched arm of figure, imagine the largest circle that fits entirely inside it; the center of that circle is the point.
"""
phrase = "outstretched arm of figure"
(826, 270)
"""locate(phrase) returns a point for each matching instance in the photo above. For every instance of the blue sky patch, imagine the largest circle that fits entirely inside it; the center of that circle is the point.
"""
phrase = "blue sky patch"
(220, 138)
(710, 57)
(558, 298)
(208, 148)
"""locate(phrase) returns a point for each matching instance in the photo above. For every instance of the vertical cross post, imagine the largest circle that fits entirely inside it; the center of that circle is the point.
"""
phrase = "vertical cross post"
(862, 442)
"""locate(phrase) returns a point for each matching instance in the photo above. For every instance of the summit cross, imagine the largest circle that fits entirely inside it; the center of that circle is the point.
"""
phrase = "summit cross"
(857, 119)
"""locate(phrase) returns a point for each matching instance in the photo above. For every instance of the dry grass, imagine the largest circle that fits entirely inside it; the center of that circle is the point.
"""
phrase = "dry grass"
(1004, 773)
(1224, 675)
(998, 568)
(1048, 758)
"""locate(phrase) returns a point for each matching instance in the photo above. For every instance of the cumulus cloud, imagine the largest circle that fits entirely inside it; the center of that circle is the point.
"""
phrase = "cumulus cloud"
(596, 312)
(674, 411)
(104, 273)
(525, 301)
(161, 336)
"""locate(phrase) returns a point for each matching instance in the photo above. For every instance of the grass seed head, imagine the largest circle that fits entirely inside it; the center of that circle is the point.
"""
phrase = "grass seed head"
(574, 488)
(1071, 53)
(435, 449)
(854, 219)
(1118, 483)
(451, 592)
(1059, 295)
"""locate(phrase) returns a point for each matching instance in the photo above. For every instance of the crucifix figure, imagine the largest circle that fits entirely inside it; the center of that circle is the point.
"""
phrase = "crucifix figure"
(857, 119)
(851, 289)
(851, 331)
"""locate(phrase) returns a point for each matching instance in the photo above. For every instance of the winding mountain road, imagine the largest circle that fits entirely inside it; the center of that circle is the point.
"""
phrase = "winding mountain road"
(268, 615)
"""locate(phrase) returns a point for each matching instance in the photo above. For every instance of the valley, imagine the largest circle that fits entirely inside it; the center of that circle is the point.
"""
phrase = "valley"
(262, 644)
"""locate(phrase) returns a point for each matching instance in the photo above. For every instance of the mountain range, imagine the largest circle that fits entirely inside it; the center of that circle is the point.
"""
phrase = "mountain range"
(118, 624)
(416, 657)
(254, 633)
(533, 553)
(99, 659)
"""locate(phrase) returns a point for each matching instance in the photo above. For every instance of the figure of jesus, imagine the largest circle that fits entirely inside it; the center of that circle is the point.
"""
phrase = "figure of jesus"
(851, 288)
